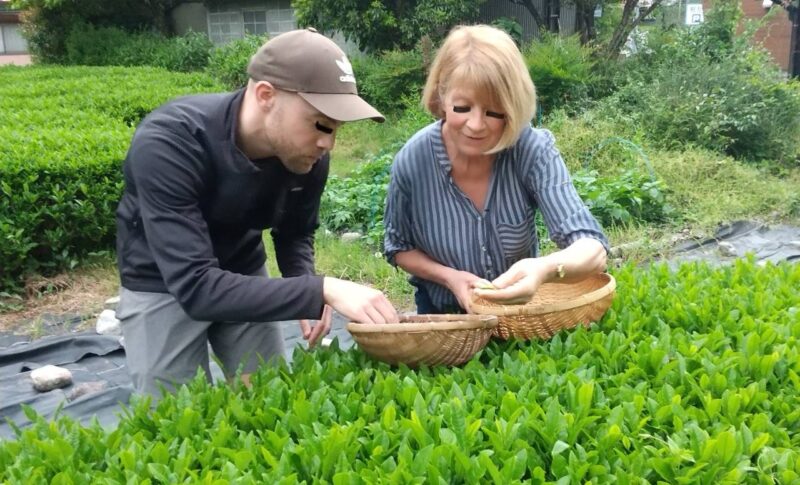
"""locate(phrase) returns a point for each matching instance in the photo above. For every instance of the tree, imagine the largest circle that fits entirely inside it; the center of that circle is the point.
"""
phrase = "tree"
(380, 25)
(626, 26)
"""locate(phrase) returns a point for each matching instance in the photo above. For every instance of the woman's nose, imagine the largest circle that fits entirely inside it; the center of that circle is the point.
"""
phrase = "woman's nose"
(476, 121)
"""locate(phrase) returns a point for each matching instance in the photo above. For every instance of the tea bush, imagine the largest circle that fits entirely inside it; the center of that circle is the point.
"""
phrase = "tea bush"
(691, 377)
(64, 135)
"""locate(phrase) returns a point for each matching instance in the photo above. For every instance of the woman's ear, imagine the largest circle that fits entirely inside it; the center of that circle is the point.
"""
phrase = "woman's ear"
(437, 107)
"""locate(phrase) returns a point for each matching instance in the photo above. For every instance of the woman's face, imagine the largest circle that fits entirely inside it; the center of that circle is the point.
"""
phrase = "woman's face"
(473, 124)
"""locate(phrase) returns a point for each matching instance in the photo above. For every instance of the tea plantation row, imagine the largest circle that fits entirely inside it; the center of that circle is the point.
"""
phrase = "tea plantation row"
(692, 377)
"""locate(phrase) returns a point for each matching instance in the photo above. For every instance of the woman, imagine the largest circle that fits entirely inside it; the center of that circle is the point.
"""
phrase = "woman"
(464, 190)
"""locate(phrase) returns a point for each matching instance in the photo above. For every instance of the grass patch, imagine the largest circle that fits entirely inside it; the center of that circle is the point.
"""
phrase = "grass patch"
(707, 188)
(711, 189)
(357, 262)
(82, 291)
(359, 141)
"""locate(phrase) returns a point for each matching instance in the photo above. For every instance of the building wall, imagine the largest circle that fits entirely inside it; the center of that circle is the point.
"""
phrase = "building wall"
(775, 36)
(190, 17)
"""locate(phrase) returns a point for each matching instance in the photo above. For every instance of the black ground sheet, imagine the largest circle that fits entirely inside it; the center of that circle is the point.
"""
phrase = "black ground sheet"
(100, 379)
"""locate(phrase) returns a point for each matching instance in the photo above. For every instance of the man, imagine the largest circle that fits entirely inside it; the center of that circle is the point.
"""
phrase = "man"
(204, 176)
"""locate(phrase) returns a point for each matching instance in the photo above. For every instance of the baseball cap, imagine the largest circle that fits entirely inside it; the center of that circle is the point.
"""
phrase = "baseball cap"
(312, 65)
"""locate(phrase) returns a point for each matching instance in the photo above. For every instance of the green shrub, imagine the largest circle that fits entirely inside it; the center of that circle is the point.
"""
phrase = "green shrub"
(66, 131)
(90, 46)
(561, 69)
(728, 107)
(228, 63)
(691, 377)
(356, 202)
(511, 27)
(629, 197)
(110, 46)
(711, 88)
(46, 32)
(387, 79)
(48, 23)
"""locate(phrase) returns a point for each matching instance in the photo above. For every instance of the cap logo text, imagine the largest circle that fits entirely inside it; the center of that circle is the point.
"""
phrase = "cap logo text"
(347, 69)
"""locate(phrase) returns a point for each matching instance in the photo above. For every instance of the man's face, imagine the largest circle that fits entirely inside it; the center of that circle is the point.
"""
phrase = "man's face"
(298, 133)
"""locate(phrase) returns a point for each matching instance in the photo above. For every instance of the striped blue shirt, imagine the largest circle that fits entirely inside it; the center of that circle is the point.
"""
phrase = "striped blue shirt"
(426, 210)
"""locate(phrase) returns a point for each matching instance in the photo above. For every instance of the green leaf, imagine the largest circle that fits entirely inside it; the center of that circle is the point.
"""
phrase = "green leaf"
(559, 447)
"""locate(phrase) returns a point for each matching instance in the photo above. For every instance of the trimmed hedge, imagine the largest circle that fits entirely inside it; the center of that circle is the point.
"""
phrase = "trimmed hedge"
(692, 377)
(63, 135)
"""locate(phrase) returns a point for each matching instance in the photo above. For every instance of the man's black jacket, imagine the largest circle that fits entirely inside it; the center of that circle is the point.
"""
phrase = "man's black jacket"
(193, 210)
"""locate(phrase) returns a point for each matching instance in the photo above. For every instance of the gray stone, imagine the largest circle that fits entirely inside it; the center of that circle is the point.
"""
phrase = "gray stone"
(50, 377)
(727, 249)
(623, 249)
(86, 388)
(111, 303)
(107, 323)
(349, 237)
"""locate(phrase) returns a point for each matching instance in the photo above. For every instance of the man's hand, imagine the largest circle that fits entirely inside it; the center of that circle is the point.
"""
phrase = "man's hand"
(518, 284)
(358, 303)
(461, 284)
(320, 329)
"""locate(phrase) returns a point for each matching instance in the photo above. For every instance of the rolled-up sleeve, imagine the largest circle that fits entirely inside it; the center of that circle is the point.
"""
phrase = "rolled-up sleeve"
(566, 216)
(397, 215)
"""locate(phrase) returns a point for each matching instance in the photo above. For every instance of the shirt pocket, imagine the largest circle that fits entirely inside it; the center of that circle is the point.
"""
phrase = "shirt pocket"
(516, 239)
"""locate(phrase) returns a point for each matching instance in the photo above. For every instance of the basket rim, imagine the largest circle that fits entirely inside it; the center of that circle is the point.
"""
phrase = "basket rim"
(454, 322)
(507, 310)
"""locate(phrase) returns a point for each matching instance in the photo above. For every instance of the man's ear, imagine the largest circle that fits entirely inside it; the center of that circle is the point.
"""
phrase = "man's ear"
(265, 94)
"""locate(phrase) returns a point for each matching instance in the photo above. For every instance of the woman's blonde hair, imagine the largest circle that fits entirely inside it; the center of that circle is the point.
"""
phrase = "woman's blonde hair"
(487, 60)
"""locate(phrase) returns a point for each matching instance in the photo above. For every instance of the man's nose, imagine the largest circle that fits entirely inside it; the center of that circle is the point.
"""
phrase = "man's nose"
(326, 142)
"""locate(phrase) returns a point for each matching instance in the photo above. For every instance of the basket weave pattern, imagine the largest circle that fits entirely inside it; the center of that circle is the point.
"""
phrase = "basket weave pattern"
(425, 339)
(554, 307)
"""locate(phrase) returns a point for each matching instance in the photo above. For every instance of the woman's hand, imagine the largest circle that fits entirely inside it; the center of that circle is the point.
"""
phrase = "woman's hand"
(460, 283)
(582, 258)
(518, 284)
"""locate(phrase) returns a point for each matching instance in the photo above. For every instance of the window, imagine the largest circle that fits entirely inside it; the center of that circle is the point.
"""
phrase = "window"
(255, 22)
(225, 26)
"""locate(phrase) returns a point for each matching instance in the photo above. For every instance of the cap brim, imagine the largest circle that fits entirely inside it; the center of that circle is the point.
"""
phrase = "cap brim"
(343, 107)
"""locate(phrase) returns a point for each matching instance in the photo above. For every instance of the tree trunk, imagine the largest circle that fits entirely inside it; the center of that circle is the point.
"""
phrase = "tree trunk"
(626, 26)
(541, 24)
(584, 16)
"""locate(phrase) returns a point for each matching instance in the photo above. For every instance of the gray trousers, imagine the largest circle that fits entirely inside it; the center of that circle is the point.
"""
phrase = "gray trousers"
(164, 346)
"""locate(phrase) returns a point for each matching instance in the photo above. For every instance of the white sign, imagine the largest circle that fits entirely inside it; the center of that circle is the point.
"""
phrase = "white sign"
(694, 14)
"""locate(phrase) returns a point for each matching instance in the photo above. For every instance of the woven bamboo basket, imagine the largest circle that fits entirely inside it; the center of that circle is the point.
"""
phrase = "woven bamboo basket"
(425, 339)
(554, 307)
